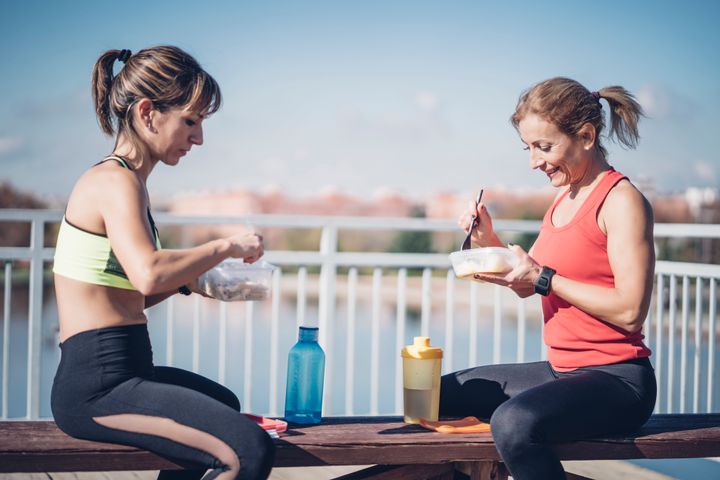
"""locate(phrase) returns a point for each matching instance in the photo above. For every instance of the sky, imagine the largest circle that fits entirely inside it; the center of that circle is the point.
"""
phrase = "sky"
(364, 96)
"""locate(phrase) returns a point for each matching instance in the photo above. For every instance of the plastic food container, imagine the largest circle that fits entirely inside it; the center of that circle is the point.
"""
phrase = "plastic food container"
(467, 263)
(232, 280)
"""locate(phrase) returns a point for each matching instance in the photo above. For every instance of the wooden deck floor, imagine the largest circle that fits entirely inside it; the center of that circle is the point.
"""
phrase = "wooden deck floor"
(596, 469)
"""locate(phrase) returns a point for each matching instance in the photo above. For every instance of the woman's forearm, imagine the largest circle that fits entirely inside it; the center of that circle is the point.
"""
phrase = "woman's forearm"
(166, 270)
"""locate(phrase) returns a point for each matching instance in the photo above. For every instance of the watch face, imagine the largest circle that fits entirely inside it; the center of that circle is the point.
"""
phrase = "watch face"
(542, 284)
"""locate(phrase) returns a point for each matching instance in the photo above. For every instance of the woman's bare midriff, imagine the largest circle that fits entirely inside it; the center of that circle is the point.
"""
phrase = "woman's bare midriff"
(83, 306)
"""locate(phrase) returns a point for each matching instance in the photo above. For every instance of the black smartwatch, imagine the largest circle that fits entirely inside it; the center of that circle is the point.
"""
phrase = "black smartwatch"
(542, 283)
(184, 290)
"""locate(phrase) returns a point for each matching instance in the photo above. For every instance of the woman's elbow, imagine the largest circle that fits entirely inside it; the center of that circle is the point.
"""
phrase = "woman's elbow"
(632, 319)
(146, 282)
(145, 287)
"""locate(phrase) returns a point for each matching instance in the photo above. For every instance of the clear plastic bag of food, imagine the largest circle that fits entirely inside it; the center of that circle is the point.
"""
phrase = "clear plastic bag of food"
(232, 280)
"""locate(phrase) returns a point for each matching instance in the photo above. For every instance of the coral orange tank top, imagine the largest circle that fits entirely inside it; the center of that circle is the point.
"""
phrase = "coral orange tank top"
(578, 251)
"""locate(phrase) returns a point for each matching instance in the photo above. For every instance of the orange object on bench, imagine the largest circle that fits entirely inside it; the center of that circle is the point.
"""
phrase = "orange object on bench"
(464, 425)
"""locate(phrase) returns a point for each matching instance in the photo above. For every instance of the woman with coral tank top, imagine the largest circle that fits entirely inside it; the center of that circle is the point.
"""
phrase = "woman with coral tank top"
(592, 265)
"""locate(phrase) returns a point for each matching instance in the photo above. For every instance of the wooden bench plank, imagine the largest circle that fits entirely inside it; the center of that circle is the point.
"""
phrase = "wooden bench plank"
(388, 440)
(663, 436)
(39, 446)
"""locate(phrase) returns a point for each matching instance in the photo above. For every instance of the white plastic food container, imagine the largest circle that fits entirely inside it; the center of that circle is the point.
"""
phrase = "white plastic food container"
(232, 280)
(467, 263)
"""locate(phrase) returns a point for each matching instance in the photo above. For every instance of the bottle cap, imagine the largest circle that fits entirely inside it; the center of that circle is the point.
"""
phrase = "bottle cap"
(421, 349)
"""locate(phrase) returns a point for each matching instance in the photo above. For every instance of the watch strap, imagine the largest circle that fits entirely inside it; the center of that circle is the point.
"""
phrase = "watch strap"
(542, 283)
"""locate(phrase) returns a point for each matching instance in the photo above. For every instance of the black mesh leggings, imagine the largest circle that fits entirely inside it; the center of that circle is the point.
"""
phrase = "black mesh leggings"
(531, 406)
(106, 389)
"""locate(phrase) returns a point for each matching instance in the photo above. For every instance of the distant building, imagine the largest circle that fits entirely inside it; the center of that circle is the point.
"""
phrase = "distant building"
(695, 205)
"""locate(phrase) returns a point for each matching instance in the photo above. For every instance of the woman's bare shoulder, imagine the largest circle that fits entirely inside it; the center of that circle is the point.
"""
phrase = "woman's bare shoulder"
(100, 186)
(625, 203)
(625, 195)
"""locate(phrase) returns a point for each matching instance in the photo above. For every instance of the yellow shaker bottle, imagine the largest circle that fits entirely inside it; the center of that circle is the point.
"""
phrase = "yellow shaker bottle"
(421, 380)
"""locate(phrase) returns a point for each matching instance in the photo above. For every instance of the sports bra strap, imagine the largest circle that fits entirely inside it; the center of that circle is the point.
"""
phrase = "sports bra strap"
(124, 164)
(118, 159)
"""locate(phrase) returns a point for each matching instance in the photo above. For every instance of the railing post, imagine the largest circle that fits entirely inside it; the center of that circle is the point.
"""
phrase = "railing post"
(37, 231)
(6, 342)
(375, 341)
(521, 329)
(712, 314)
(660, 309)
(350, 340)
(497, 324)
(248, 355)
(400, 316)
(671, 345)
(274, 340)
(426, 302)
(447, 363)
(326, 303)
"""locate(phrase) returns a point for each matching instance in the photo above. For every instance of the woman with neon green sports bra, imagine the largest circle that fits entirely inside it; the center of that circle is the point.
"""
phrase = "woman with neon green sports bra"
(109, 267)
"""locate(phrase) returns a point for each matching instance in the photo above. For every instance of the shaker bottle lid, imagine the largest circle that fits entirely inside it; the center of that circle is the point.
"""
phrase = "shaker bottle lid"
(421, 349)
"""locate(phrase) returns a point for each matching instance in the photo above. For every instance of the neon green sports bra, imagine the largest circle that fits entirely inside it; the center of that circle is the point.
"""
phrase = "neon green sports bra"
(87, 256)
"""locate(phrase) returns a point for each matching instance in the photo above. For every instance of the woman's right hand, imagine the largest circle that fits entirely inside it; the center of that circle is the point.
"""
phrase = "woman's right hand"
(483, 234)
(248, 246)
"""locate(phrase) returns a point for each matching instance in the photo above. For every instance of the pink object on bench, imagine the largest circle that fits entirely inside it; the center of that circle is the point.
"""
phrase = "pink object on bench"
(270, 425)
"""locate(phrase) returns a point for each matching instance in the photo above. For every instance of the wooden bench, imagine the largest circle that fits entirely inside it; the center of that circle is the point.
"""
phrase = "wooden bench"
(397, 450)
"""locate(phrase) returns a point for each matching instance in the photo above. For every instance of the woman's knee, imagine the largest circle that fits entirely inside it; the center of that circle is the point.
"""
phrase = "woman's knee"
(224, 395)
(229, 398)
(515, 425)
(256, 451)
(449, 394)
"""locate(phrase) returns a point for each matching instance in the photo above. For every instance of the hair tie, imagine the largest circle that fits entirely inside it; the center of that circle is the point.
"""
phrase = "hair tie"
(124, 55)
(596, 95)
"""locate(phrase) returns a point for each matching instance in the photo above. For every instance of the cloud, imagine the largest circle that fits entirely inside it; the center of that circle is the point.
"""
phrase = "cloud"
(427, 101)
(10, 145)
(420, 125)
(663, 103)
(705, 170)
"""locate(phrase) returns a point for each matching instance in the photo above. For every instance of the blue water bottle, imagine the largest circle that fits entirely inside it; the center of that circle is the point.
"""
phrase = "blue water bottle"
(305, 374)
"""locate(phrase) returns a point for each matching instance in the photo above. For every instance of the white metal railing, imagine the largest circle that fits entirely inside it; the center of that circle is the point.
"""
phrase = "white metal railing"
(681, 326)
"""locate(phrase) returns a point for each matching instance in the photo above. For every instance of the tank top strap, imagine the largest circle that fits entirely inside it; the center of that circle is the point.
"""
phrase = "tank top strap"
(597, 197)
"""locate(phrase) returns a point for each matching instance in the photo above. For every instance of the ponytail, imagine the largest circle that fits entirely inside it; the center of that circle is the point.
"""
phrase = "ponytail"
(102, 80)
(625, 113)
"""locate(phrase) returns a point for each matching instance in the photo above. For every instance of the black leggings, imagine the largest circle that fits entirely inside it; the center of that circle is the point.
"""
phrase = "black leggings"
(106, 389)
(531, 406)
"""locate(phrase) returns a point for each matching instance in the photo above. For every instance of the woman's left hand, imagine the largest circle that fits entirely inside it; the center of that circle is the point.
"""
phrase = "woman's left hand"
(521, 279)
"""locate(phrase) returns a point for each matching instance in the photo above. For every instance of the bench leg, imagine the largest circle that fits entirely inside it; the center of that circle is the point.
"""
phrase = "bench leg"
(487, 470)
(575, 476)
(403, 472)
